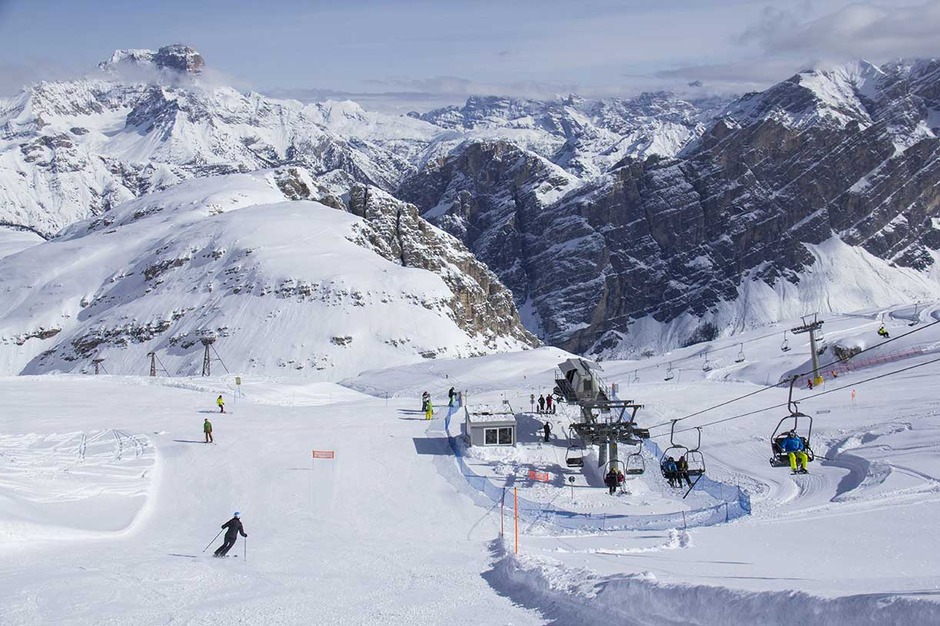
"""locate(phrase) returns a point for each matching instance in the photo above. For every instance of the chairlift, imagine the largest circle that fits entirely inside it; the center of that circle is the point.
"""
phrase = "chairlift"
(785, 346)
(670, 374)
(706, 366)
(619, 465)
(634, 465)
(791, 422)
(916, 320)
(636, 376)
(574, 455)
(693, 457)
(740, 357)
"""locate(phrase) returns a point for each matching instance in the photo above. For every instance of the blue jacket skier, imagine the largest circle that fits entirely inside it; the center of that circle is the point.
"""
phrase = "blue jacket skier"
(793, 447)
(234, 527)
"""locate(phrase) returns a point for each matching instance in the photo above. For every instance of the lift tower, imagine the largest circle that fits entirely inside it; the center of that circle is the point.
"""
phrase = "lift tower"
(811, 328)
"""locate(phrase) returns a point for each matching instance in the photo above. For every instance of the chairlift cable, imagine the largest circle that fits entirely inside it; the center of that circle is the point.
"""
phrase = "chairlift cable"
(783, 404)
(798, 375)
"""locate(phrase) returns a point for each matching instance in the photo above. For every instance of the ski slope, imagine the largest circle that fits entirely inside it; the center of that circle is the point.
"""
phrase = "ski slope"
(390, 531)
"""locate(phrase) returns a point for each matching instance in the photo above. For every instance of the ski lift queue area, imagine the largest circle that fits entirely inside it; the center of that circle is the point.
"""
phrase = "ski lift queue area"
(539, 468)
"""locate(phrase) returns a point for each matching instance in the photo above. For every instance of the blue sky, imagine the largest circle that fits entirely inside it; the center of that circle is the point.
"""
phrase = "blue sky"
(448, 49)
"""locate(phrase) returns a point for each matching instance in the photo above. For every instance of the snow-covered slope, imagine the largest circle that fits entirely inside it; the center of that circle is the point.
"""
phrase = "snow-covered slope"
(284, 287)
(110, 500)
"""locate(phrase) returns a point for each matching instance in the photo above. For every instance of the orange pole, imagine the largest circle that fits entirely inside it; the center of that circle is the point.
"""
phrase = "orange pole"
(515, 506)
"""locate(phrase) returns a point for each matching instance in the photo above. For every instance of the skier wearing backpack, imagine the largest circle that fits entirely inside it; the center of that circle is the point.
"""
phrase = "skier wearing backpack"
(234, 527)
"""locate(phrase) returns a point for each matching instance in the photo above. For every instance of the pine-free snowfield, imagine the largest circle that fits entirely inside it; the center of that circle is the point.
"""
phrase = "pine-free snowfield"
(108, 497)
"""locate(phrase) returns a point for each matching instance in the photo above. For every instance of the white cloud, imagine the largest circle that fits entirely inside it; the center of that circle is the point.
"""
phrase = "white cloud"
(872, 31)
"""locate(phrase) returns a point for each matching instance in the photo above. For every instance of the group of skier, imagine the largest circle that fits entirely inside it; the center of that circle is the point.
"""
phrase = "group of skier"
(428, 409)
(546, 403)
(676, 471)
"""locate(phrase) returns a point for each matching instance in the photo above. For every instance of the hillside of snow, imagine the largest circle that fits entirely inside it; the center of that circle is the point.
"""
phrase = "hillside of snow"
(110, 501)
(282, 287)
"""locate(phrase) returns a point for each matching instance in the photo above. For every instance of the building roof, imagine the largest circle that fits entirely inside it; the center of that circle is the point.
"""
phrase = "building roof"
(480, 413)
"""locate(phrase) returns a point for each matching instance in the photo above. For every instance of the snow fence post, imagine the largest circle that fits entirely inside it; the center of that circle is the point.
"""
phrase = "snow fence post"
(515, 498)
(502, 515)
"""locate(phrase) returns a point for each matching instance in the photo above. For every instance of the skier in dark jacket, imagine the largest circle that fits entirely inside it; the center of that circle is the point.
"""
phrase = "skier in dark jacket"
(541, 404)
(234, 526)
(547, 429)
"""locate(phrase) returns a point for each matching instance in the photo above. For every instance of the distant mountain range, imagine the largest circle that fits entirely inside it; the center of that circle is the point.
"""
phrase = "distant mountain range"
(619, 226)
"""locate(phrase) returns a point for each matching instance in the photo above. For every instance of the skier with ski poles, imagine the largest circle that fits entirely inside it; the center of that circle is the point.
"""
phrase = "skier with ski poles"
(234, 527)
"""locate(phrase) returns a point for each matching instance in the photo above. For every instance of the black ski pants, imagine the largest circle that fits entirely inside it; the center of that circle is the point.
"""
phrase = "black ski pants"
(225, 547)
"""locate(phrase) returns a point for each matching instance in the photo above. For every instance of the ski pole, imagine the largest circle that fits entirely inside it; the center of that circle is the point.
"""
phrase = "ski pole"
(245, 551)
(213, 539)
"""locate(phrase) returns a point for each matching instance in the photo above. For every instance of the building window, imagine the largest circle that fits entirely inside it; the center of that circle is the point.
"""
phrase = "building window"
(497, 436)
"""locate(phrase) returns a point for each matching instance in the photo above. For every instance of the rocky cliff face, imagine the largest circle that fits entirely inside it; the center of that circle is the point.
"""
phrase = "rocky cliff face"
(851, 153)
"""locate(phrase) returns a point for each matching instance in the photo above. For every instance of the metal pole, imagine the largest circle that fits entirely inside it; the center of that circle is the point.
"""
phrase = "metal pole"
(213, 540)
(515, 501)
(812, 346)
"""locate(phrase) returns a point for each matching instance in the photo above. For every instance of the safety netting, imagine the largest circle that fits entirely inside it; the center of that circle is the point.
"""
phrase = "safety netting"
(730, 502)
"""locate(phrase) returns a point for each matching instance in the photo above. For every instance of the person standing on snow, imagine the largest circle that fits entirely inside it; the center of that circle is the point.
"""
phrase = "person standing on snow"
(221, 403)
(425, 400)
(234, 527)
(451, 394)
(207, 429)
(428, 410)
(549, 407)
(541, 404)
(548, 430)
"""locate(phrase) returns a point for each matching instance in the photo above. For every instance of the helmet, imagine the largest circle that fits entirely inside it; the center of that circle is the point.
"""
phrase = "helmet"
(792, 433)
(237, 513)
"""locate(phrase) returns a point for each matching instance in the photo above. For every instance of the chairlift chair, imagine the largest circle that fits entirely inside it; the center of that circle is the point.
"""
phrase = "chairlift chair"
(634, 465)
(740, 357)
(785, 346)
(789, 423)
(574, 455)
(669, 373)
(693, 458)
(706, 366)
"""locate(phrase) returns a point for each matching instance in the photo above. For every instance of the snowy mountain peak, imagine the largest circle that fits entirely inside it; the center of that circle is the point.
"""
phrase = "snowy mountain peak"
(176, 57)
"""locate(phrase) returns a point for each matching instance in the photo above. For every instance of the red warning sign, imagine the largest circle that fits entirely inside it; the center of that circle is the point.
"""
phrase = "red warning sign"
(542, 477)
(323, 454)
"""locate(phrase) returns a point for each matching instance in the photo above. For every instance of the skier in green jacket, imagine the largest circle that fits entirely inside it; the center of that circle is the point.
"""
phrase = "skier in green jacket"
(207, 428)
